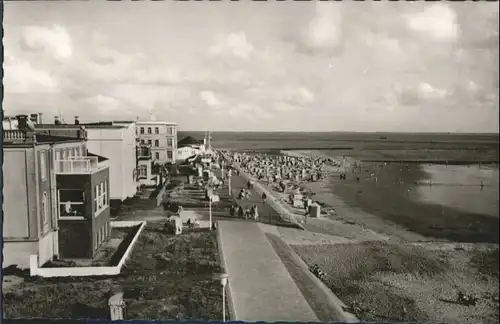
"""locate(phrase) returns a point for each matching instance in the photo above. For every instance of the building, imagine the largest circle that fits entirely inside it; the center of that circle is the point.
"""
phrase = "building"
(162, 136)
(145, 176)
(116, 141)
(56, 201)
(190, 146)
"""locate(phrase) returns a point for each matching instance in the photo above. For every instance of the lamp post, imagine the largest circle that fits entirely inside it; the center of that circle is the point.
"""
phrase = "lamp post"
(223, 282)
(222, 168)
(210, 211)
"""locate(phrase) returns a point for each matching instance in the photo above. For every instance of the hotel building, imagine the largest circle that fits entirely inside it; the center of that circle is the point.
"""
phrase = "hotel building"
(56, 194)
(162, 136)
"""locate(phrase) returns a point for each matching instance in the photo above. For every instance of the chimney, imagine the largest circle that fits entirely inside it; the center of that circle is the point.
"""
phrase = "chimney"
(22, 121)
(57, 121)
(34, 118)
(77, 122)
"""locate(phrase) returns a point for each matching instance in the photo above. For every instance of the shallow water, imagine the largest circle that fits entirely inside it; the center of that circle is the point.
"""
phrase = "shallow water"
(460, 187)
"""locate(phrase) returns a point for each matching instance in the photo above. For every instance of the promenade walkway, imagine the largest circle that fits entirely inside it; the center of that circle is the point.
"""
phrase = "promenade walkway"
(260, 286)
(261, 289)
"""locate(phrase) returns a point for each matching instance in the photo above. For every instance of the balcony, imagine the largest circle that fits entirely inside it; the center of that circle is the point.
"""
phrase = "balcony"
(14, 134)
(144, 152)
(80, 165)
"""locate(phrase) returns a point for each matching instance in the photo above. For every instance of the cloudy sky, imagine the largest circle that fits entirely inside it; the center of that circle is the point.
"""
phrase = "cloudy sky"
(303, 66)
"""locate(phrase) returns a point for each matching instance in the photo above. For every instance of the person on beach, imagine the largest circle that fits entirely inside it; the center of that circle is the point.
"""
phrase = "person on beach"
(255, 213)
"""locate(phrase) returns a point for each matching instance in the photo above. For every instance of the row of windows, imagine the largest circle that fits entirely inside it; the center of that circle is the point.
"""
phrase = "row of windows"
(100, 236)
(170, 130)
(170, 155)
(170, 142)
(101, 197)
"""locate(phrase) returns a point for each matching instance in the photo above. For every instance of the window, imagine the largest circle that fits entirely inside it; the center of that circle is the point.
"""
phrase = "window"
(71, 203)
(142, 130)
(45, 209)
(70, 153)
(170, 155)
(143, 171)
(101, 197)
(157, 155)
(149, 130)
(170, 131)
(149, 142)
(43, 165)
(157, 130)
(157, 143)
(170, 142)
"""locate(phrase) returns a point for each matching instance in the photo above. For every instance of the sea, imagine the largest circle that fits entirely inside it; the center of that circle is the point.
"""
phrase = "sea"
(455, 163)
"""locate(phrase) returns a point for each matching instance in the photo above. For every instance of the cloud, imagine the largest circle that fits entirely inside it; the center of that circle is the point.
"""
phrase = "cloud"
(23, 78)
(437, 21)
(235, 44)
(323, 33)
(414, 95)
(105, 104)
(54, 41)
(210, 99)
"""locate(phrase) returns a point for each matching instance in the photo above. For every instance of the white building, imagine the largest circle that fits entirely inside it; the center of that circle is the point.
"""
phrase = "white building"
(162, 136)
(115, 141)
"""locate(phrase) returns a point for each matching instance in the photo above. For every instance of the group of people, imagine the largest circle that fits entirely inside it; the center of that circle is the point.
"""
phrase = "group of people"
(238, 210)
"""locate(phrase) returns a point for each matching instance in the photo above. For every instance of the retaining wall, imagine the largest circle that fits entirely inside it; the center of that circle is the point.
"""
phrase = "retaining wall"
(88, 271)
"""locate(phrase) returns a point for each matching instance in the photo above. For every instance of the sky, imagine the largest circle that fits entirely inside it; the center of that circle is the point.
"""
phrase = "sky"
(257, 66)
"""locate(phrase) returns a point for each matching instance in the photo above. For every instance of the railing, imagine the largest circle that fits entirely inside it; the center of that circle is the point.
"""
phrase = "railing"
(71, 209)
(144, 153)
(78, 164)
(14, 134)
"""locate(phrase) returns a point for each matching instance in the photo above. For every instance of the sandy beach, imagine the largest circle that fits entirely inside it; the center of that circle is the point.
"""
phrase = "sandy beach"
(383, 270)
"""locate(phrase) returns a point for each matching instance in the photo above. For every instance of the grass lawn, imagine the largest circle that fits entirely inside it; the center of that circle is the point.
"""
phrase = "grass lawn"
(166, 277)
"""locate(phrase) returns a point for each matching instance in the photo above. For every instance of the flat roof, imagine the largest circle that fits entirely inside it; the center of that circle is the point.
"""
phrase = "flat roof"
(90, 125)
(155, 123)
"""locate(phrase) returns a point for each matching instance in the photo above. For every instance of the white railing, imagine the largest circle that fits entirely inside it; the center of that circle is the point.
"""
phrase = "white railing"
(78, 164)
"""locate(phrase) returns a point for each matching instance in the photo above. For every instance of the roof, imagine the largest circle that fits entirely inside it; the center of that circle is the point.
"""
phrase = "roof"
(100, 158)
(107, 125)
(188, 140)
(155, 123)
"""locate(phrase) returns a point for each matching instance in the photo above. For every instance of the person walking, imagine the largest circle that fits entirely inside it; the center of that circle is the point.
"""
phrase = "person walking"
(264, 197)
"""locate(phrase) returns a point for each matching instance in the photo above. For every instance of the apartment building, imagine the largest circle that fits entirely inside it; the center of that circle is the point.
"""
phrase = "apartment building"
(162, 136)
(55, 195)
(116, 141)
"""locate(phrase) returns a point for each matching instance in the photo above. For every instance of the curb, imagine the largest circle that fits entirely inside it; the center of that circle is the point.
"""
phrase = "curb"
(230, 303)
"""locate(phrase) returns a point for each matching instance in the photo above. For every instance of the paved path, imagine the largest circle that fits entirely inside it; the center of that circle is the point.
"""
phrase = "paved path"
(260, 286)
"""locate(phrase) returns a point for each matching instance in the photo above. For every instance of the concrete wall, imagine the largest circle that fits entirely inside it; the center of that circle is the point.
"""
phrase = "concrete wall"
(18, 253)
(16, 209)
(118, 145)
(46, 247)
(100, 223)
